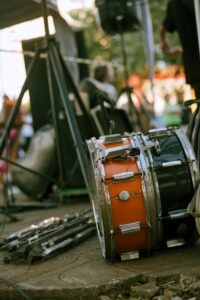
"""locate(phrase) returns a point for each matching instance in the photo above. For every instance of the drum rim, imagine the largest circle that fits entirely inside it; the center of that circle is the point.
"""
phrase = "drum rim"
(194, 170)
(156, 236)
(190, 156)
(103, 213)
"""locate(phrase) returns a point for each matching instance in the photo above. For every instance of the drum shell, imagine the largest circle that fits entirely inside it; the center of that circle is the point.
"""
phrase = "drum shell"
(126, 211)
(114, 211)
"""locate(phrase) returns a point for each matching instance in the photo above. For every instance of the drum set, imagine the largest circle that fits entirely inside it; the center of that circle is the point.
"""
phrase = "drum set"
(141, 185)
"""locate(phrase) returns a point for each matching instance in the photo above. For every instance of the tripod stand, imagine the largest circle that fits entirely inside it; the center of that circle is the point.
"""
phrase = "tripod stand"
(56, 70)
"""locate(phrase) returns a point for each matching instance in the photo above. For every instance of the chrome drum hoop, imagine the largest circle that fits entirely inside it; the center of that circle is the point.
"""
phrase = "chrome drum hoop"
(191, 158)
(96, 193)
(154, 201)
(194, 170)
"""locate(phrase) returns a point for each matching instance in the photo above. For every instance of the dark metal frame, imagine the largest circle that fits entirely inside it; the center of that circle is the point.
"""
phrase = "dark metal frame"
(56, 67)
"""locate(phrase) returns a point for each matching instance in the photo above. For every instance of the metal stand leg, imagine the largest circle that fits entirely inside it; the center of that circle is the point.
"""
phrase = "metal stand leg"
(60, 79)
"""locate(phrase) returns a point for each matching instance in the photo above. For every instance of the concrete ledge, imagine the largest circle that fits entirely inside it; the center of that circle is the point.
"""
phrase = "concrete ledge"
(82, 273)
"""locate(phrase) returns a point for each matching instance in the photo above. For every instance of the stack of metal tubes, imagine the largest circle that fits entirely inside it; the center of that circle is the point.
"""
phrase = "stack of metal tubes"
(49, 237)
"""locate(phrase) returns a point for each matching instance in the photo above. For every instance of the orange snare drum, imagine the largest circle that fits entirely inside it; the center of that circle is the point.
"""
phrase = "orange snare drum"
(118, 197)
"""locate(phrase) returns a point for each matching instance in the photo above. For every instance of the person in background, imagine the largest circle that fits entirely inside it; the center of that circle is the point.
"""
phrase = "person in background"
(98, 84)
(180, 18)
(104, 74)
(12, 142)
(172, 114)
(186, 111)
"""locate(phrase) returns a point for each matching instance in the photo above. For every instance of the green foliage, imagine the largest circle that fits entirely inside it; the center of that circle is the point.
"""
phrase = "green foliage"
(101, 46)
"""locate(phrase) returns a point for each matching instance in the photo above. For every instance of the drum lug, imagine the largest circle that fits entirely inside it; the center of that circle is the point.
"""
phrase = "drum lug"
(91, 146)
(112, 139)
(157, 132)
(130, 255)
(175, 243)
(153, 144)
(125, 176)
(130, 228)
(157, 148)
(177, 214)
(171, 163)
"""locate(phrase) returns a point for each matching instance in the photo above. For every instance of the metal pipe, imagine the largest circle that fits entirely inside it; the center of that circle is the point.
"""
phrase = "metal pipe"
(51, 93)
(73, 126)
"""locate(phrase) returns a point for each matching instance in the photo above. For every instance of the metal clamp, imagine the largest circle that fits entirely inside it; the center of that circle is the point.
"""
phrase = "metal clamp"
(115, 152)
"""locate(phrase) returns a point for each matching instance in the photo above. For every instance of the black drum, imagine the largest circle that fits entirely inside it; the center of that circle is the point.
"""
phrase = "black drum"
(172, 167)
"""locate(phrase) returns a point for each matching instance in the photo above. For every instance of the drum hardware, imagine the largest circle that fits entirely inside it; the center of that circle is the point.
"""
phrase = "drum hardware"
(130, 228)
(171, 164)
(131, 194)
(112, 139)
(124, 195)
(115, 152)
(125, 176)
(153, 144)
(176, 214)
(156, 148)
(120, 151)
(135, 151)
(175, 243)
(91, 145)
(130, 255)
(166, 165)
(157, 132)
(171, 128)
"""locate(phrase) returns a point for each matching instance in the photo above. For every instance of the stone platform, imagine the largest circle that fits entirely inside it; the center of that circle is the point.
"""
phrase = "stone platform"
(82, 273)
